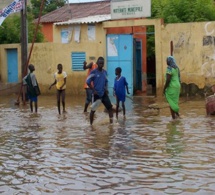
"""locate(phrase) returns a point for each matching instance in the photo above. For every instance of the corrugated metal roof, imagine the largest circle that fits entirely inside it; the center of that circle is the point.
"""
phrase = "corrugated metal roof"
(90, 19)
(77, 10)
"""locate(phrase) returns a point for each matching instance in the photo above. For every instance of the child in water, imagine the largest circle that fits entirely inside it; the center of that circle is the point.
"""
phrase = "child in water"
(33, 90)
(120, 84)
(60, 82)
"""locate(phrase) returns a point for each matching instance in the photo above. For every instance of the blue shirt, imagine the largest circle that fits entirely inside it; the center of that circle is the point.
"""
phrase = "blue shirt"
(119, 88)
(99, 79)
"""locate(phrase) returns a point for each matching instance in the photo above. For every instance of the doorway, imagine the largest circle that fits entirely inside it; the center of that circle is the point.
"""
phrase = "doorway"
(120, 54)
(135, 54)
(12, 65)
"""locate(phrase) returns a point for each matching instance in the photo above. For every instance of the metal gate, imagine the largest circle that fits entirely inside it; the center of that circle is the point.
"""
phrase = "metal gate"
(120, 54)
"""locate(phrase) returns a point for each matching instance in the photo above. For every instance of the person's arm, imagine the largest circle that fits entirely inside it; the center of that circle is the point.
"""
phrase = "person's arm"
(168, 79)
(55, 81)
(114, 88)
(53, 84)
(127, 89)
(126, 86)
(89, 80)
(85, 66)
(24, 80)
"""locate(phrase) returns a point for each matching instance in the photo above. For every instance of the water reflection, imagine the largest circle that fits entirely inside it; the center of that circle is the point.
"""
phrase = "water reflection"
(175, 144)
(98, 141)
(146, 153)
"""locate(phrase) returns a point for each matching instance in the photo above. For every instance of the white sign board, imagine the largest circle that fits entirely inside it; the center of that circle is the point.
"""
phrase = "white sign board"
(130, 9)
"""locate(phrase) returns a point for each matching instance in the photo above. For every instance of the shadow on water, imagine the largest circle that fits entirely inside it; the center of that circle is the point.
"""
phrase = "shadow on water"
(146, 153)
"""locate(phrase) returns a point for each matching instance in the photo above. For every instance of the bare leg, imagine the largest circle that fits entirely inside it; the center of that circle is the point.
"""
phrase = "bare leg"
(123, 107)
(58, 106)
(31, 105)
(117, 108)
(178, 115)
(111, 115)
(91, 116)
(172, 113)
(35, 104)
(58, 101)
(85, 107)
(88, 99)
(63, 100)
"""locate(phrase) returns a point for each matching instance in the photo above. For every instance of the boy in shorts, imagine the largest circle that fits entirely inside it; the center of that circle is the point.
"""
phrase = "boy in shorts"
(33, 89)
(97, 81)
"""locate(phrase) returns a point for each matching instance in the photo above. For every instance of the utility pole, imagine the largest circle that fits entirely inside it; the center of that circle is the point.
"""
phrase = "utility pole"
(24, 38)
(24, 46)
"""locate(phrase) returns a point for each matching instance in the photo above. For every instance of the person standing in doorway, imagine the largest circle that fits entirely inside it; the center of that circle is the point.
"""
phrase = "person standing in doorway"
(33, 90)
(172, 86)
(91, 66)
(60, 82)
(97, 81)
(120, 84)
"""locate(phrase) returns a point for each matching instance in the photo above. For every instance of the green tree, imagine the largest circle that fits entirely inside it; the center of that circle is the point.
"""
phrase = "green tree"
(49, 6)
(10, 30)
(179, 11)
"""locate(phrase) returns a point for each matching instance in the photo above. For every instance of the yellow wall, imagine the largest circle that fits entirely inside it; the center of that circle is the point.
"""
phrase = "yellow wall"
(195, 59)
(46, 56)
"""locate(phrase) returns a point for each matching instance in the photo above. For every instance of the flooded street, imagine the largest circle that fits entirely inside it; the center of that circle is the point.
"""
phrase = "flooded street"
(146, 153)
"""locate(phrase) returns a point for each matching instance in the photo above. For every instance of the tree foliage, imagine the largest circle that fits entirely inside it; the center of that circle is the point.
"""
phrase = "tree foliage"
(180, 11)
(10, 30)
(49, 6)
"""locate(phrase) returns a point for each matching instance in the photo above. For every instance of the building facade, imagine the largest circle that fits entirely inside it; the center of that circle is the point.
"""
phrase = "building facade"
(122, 43)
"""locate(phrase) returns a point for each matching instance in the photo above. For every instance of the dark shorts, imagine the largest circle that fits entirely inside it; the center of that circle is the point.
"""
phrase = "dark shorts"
(33, 99)
(105, 100)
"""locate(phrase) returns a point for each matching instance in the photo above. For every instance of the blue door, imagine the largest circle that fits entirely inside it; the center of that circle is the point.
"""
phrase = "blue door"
(12, 66)
(120, 54)
(138, 65)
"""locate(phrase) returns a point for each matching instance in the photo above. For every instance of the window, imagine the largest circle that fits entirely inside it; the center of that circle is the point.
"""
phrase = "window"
(77, 60)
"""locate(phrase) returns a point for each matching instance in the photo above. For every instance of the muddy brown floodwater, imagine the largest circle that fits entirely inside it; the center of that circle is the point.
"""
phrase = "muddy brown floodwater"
(146, 153)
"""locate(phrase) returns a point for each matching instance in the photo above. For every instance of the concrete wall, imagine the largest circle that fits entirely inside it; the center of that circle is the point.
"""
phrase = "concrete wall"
(194, 51)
